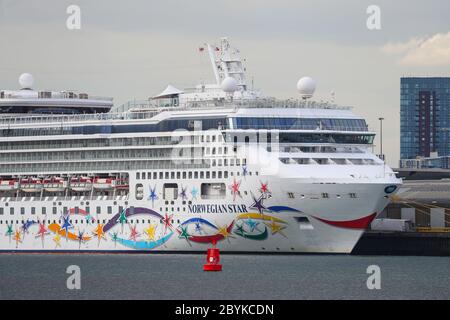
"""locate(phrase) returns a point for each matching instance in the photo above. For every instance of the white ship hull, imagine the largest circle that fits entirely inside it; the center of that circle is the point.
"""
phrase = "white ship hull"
(302, 224)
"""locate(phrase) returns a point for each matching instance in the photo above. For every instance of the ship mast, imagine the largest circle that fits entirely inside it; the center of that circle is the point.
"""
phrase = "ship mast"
(226, 62)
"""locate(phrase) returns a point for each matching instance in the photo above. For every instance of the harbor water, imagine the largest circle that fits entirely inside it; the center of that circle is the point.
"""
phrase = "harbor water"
(180, 276)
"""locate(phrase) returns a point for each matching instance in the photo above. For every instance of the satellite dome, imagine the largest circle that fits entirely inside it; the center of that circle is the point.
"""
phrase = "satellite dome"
(306, 87)
(26, 81)
(229, 85)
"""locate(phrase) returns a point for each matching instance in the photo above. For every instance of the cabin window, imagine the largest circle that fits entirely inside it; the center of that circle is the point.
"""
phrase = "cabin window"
(138, 175)
(139, 191)
(213, 190)
(170, 191)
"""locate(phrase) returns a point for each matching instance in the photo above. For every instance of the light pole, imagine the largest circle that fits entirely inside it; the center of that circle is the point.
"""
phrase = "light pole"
(381, 138)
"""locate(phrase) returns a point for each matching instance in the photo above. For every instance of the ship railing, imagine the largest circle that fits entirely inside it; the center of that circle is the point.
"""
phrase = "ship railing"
(147, 109)
(64, 198)
(47, 95)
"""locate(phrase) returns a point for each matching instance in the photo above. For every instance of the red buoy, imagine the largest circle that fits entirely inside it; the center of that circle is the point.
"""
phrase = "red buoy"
(212, 259)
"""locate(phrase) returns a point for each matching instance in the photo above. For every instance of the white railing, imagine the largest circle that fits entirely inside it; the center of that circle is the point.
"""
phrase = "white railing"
(147, 109)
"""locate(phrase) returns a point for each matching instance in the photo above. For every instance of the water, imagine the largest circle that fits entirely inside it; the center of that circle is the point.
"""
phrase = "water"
(180, 276)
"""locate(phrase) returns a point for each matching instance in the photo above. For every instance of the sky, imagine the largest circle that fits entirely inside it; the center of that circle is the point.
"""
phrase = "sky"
(133, 49)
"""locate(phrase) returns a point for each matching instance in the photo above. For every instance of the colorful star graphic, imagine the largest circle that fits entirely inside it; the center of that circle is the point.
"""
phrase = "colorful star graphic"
(153, 196)
(18, 237)
(150, 232)
(99, 233)
(122, 218)
(89, 218)
(115, 237)
(239, 229)
(224, 232)
(9, 230)
(194, 193)
(167, 222)
(80, 237)
(252, 224)
(57, 240)
(183, 233)
(66, 225)
(134, 234)
(183, 193)
(244, 171)
(26, 225)
(276, 228)
(264, 188)
(258, 204)
(42, 231)
(235, 189)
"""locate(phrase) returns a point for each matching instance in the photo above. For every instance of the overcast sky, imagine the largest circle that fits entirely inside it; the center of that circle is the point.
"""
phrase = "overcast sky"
(133, 49)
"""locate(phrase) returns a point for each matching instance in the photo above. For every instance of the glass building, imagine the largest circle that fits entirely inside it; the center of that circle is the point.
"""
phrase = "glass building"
(424, 120)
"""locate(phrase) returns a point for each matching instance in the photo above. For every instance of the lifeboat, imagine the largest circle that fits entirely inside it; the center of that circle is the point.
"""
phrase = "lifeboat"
(31, 185)
(9, 185)
(81, 184)
(55, 184)
(104, 183)
(122, 184)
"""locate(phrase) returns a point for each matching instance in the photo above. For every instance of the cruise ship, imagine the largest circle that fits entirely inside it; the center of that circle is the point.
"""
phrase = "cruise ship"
(186, 168)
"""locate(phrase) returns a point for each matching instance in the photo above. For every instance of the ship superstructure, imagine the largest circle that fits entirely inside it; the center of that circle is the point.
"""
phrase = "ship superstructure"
(186, 168)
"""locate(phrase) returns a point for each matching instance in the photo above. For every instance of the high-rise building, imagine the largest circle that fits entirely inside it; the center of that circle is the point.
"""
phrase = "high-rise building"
(424, 121)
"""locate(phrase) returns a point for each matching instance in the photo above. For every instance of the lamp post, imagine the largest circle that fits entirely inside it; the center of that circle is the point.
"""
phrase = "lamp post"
(381, 138)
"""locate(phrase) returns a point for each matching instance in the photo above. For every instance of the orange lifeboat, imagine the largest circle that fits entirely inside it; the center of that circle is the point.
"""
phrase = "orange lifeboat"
(104, 183)
(81, 184)
(55, 184)
(31, 185)
(9, 185)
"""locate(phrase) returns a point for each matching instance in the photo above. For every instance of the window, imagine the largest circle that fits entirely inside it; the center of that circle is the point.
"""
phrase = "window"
(138, 175)
(291, 195)
(33, 210)
(139, 191)
(325, 195)
(213, 190)
(55, 210)
(109, 210)
(1, 211)
(22, 210)
(11, 211)
(143, 175)
(44, 210)
(352, 195)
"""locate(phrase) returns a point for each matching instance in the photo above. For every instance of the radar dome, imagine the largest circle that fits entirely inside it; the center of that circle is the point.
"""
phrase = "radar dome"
(229, 85)
(306, 87)
(26, 81)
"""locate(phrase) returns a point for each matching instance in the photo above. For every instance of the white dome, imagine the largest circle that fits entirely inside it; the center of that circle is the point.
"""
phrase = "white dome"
(306, 87)
(26, 81)
(229, 85)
